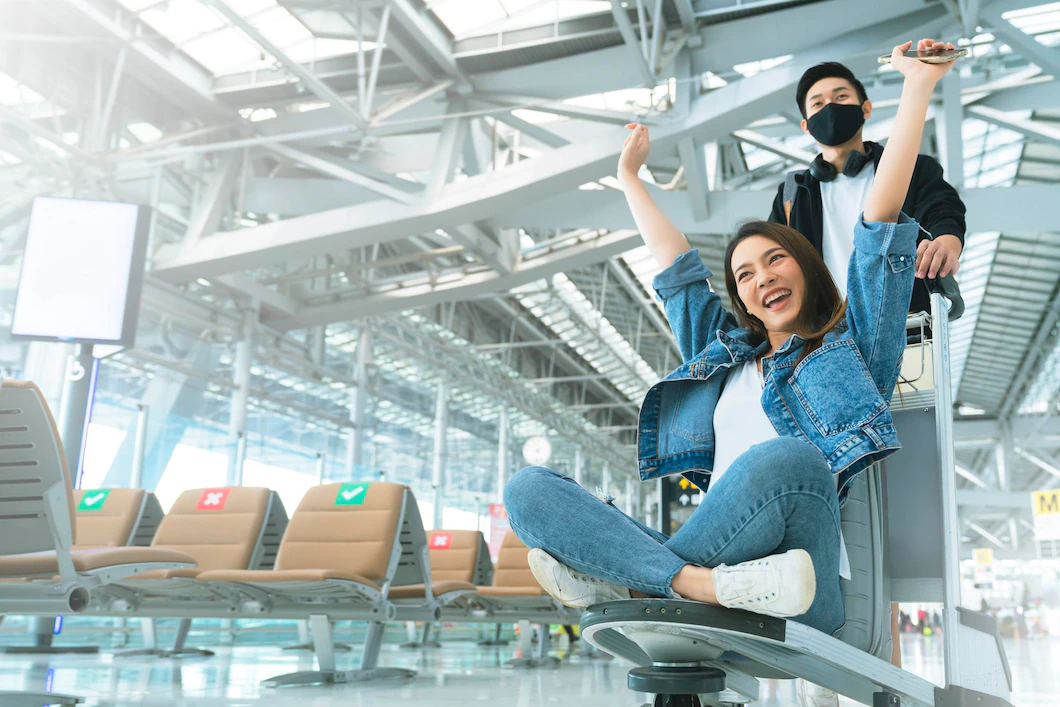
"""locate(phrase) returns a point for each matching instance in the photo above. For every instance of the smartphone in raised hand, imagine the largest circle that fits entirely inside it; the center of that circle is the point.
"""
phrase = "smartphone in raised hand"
(930, 56)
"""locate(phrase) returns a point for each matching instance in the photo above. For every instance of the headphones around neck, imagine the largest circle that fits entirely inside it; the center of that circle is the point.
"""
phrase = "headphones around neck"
(826, 172)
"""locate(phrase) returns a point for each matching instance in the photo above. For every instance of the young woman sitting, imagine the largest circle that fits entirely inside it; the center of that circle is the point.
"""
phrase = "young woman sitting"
(772, 414)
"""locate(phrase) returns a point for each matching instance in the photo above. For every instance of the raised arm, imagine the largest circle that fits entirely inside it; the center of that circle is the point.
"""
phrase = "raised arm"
(895, 170)
(660, 235)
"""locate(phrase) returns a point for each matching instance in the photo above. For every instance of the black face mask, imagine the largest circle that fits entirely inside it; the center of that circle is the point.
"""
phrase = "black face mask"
(835, 123)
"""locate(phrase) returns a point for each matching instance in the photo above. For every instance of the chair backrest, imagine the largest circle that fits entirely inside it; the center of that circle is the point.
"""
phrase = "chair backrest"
(350, 527)
(150, 518)
(913, 518)
(456, 555)
(107, 517)
(221, 528)
(512, 568)
(867, 625)
(36, 495)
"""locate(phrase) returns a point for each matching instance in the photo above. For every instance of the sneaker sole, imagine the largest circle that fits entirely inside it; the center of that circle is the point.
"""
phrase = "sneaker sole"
(537, 559)
(800, 563)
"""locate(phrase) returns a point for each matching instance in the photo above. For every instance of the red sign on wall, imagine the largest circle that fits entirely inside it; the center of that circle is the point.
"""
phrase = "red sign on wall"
(441, 541)
(213, 499)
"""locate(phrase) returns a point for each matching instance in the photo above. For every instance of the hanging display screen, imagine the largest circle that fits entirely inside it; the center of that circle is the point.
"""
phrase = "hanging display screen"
(82, 272)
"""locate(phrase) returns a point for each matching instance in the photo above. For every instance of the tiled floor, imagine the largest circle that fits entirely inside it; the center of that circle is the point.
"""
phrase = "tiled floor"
(460, 674)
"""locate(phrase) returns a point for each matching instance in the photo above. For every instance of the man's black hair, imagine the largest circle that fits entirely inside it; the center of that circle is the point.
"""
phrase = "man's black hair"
(827, 70)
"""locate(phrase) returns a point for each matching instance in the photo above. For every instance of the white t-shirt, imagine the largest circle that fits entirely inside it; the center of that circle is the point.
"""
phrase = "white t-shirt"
(842, 201)
(740, 423)
(739, 420)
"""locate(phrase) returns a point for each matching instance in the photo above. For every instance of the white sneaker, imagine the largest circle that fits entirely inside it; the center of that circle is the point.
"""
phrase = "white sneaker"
(778, 585)
(570, 587)
(810, 695)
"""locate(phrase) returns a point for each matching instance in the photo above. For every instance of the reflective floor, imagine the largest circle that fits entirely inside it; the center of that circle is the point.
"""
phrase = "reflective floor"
(459, 674)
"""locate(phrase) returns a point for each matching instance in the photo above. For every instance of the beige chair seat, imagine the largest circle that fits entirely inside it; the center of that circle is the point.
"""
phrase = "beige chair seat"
(279, 576)
(440, 589)
(185, 573)
(46, 564)
(511, 591)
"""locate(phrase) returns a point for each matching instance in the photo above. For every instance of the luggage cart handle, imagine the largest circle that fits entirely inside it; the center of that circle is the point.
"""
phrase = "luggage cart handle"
(948, 288)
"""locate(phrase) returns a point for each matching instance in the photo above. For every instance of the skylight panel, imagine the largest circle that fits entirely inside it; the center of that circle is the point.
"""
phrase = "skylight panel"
(461, 16)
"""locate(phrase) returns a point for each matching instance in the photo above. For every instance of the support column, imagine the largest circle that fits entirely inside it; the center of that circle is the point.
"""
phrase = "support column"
(606, 484)
(629, 497)
(136, 479)
(949, 131)
(441, 427)
(75, 408)
(237, 416)
(355, 460)
(502, 453)
(579, 466)
(322, 463)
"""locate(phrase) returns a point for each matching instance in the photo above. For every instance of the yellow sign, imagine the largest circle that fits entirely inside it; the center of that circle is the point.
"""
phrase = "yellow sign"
(684, 483)
(1045, 505)
(983, 555)
(1046, 502)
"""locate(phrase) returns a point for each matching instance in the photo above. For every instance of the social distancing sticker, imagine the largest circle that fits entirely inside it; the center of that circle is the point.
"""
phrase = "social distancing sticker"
(93, 500)
(213, 499)
(441, 541)
(351, 494)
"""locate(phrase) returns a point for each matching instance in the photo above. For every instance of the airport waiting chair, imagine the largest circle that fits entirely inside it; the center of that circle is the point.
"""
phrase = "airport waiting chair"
(38, 529)
(460, 562)
(900, 525)
(115, 517)
(235, 528)
(515, 596)
(346, 549)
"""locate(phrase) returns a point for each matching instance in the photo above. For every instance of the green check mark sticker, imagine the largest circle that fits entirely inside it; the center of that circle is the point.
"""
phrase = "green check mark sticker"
(93, 500)
(351, 494)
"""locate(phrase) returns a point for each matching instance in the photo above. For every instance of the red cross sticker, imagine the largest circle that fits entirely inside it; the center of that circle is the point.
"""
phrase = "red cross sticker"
(213, 499)
(441, 541)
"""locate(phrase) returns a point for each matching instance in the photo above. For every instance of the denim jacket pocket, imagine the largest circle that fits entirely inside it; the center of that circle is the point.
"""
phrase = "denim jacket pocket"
(691, 416)
(835, 390)
(900, 263)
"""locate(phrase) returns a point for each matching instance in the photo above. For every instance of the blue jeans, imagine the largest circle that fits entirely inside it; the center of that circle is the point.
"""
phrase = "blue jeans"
(776, 496)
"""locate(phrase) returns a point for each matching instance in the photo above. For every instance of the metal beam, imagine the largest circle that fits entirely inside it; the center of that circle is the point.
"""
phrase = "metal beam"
(320, 89)
(209, 209)
(1040, 132)
(986, 534)
(697, 189)
(167, 71)
(331, 166)
(1038, 462)
(468, 286)
(633, 44)
(547, 105)
(777, 148)
(429, 37)
(485, 197)
(534, 131)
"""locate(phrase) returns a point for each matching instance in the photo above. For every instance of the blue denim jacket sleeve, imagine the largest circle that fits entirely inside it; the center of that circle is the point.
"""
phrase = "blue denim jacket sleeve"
(694, 311)
(879, 286)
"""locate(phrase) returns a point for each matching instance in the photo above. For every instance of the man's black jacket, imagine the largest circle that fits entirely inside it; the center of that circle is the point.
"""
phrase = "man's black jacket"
(931, 201)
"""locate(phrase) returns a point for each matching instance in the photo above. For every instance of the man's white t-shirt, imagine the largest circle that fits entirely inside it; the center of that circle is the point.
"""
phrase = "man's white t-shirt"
(842, 201)
(740, 423)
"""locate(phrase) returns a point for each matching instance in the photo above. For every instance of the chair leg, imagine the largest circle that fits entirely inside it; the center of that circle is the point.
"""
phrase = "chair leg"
(526, 647)
(496, 640)
(305, 641)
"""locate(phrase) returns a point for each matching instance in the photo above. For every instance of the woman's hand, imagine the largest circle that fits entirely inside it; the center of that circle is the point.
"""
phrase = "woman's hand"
(913, 68)
(634, 152)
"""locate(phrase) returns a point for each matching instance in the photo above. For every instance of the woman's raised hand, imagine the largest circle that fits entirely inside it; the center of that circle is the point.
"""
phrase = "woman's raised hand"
(913, 68)
(634, 152)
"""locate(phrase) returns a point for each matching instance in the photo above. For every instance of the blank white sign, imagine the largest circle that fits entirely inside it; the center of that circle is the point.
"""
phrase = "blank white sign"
(75, 271)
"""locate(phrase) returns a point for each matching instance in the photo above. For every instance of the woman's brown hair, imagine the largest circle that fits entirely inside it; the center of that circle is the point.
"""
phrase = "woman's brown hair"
(822, 307)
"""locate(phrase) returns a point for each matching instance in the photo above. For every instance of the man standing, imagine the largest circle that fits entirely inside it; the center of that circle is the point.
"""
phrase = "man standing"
(824, 201)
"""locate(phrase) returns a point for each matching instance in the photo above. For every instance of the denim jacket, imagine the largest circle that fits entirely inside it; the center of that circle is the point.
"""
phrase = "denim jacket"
(835, 399)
